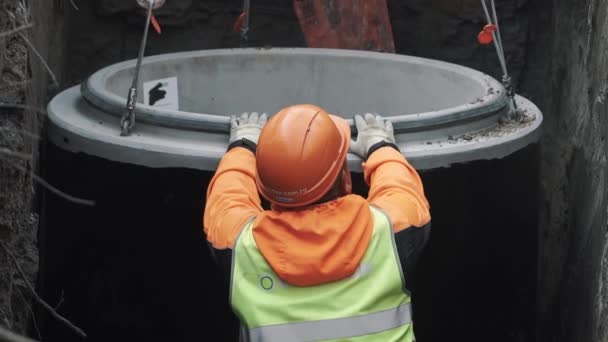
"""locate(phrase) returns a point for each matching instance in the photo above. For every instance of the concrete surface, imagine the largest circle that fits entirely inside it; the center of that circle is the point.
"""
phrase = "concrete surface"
(431, 103)
(78, 127)
(214, 84)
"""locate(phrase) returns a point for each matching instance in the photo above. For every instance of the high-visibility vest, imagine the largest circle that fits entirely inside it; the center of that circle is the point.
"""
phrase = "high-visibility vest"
(370, 305)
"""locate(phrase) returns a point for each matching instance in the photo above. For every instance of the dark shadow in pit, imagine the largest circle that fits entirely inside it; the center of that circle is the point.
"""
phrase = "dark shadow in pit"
(136, 267)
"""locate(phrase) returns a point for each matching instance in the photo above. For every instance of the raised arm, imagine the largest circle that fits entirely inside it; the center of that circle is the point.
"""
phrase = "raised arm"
(232, 195)
(395, 186)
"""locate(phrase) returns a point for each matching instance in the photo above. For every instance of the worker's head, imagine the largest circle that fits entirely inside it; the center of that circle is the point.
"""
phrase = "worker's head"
(301, 157)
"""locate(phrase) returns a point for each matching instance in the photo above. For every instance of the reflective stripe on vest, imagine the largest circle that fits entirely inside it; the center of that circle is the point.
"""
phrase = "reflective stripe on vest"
(369, 305)
(334, 328)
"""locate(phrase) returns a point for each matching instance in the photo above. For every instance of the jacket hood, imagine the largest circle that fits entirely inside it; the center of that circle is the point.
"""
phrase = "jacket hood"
(317, 244)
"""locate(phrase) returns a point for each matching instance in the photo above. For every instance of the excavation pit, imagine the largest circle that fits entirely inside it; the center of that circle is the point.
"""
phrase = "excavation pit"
(136, 264)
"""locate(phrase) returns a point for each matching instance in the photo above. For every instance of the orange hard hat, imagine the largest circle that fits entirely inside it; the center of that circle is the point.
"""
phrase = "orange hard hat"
(300, 154)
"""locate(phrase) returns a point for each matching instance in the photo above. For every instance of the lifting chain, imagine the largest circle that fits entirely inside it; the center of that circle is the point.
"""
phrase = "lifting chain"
(241, 26)
(494, 29)
(245, 29)
(127, 122)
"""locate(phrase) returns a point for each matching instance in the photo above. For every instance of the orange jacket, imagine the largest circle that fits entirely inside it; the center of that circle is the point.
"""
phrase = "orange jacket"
(319, 243)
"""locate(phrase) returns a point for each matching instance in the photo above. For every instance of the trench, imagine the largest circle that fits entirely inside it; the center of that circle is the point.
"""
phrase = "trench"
(135, 267)
(116, 271)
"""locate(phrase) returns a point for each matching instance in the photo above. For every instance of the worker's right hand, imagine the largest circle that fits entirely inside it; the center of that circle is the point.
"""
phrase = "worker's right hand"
(372, 129)
(248, 126)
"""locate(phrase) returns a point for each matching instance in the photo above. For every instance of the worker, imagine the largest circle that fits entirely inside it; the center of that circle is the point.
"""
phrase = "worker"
(321, 262)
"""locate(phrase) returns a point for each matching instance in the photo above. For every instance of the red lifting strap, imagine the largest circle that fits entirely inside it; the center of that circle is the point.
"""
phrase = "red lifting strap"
(346, 24)
(238, 24)
(485, 36)
(155, 24)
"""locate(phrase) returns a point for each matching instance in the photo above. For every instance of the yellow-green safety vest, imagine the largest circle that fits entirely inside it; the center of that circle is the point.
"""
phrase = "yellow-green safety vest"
(370, 305)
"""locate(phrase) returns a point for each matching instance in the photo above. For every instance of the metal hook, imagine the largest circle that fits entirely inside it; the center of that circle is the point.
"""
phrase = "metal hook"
(241, 26)
(492, 19)
(127, 122)
(247, 11)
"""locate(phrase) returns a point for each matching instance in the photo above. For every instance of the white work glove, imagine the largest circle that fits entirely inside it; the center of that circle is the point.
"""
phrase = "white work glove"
(371, 129)
(248, 126)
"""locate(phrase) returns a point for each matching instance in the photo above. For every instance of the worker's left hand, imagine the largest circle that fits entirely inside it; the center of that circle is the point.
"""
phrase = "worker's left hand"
(372, 129)
(248, 126)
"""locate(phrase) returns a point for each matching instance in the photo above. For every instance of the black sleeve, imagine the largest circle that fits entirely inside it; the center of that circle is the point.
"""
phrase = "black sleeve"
(410, 245)
(246, 143)
(379, 145)
(223, 261)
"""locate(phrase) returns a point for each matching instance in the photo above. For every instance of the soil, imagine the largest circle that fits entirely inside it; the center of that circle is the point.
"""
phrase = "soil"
(23, 81)
(570, 54)
(18, 222)
(505, 127)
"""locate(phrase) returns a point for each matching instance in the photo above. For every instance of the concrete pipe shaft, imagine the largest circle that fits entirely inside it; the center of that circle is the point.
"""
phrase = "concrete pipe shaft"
(135, 264)
(442, 113)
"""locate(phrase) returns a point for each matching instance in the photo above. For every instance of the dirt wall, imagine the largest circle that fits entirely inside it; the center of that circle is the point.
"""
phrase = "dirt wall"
(23, 82)
(109, 31)
(571, 50)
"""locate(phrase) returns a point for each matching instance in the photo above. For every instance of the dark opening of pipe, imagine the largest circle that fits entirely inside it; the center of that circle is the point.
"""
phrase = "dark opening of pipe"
(136, 266)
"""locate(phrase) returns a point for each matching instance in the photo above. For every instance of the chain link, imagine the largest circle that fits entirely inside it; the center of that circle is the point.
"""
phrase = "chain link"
(506, 79)
(127, 122)
(245, 27)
